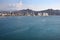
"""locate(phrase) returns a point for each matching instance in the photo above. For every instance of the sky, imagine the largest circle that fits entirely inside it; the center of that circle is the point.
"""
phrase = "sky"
(29, 4)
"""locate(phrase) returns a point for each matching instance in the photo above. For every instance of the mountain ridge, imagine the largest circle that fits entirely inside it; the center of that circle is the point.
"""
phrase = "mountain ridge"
(29, 11)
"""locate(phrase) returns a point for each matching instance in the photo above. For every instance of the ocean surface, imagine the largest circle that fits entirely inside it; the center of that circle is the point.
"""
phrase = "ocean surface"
(30, 28)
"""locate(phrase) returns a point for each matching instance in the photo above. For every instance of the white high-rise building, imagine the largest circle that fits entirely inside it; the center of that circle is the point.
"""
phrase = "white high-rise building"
(45, 14)
(39, 14)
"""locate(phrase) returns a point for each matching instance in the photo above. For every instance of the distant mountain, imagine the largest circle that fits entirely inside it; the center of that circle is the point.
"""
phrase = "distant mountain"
(29, 11)
(51, 12)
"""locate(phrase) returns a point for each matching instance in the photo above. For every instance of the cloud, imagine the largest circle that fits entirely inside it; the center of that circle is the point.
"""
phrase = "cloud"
(14, 6)
(17, 6)
(35, 7)
(42, 7)
(20, 5)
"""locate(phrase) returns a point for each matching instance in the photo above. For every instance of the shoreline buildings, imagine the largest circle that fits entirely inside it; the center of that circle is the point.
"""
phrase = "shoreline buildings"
(29, 12)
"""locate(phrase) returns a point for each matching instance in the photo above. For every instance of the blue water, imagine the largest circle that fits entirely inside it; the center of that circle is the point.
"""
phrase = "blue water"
(30, 28)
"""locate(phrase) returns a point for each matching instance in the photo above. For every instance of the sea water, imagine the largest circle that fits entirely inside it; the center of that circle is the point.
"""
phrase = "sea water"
(30, 28)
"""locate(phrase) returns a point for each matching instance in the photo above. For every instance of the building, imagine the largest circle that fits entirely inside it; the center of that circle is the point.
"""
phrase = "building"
(45, 14)
(4, 14)
(0, 14)
(39, 14)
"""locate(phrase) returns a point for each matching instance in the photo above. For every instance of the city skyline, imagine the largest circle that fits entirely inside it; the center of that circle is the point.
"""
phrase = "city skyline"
(29, 4)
